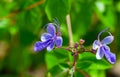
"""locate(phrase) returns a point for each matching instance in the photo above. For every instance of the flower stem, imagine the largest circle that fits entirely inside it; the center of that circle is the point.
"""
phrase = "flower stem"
(69, 30)
(70, 41)
(74, 63)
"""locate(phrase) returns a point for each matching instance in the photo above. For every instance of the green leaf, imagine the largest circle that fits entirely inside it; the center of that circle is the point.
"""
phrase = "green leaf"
(92, 62)
(57, 8)
(30, 20)
(78, 74)
(57, 63)
(52, 60)
(56, 71)
(60, 53)
(83, 64)
(97, 73)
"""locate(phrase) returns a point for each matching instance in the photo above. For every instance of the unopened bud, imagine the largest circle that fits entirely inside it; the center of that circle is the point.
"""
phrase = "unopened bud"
(76, 45)
(82, 41)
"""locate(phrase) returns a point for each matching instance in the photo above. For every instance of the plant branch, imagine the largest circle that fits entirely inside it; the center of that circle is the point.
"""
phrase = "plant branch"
(26, 9)
(35, 5)
(74, 63)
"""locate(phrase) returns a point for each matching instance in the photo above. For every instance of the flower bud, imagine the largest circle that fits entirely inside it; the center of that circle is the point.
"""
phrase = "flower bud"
(76, 45)
(82, 41)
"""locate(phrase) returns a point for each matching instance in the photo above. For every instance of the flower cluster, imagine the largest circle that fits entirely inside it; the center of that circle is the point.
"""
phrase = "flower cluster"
(49, 39)
(52, 37)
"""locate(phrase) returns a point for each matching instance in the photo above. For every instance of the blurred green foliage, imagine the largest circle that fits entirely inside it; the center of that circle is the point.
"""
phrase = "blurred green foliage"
(23, 21)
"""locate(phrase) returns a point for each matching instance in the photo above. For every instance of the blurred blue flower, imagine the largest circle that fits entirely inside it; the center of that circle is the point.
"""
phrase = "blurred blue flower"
(103, 49)
(49, 39)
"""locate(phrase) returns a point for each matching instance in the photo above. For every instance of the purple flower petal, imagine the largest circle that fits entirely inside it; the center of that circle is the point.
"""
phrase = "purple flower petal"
(46, 36)
(109, 55)
(59, 41)
(41, 45)
(108, 39)
(100, 53)
(51, 46)
(95, 44)
(51, 29)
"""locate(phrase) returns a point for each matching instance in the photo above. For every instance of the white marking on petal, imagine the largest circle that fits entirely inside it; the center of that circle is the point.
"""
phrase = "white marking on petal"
(51, 46)
(100, 53)
(46, 36)
(95, 44)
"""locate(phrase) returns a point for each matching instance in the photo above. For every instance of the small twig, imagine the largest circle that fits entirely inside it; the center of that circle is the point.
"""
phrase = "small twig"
(75, 58)
(74, 63)
(64, 48)
(34, 5)
(26, 9)
(87, 50)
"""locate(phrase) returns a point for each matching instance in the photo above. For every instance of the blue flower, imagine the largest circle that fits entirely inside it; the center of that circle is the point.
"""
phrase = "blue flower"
(49, 39)
(103, 49)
